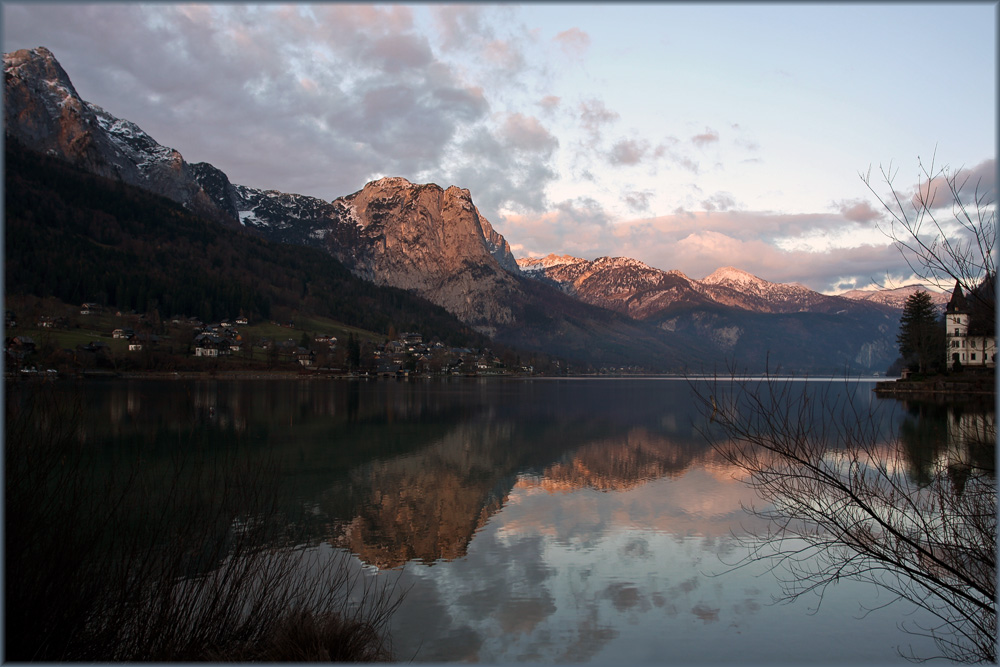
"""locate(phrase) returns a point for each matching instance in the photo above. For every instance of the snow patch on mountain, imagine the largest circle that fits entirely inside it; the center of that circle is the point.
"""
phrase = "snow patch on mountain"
(732, 275)
(131, 140)
(539, 264)
(896, 297)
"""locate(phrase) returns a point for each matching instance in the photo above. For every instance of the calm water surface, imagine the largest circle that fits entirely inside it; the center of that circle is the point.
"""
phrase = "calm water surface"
(530, 520)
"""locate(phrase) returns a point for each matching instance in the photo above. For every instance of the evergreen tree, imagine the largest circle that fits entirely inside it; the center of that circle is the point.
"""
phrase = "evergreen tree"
(921, 334)
(353, 351)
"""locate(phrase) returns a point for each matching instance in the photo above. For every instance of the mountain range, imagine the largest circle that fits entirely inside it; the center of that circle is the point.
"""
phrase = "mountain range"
(435, 243)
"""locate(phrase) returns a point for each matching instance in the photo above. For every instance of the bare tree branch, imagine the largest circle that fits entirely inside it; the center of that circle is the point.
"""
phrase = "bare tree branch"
(841, 504)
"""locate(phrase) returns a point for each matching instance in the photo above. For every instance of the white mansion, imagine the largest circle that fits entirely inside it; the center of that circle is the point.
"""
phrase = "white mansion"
(968, 348)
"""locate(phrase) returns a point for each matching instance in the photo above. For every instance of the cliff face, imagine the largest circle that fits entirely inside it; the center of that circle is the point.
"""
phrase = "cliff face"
(434, 242)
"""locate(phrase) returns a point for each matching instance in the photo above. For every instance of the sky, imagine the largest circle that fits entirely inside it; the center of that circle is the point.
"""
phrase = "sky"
(687, 136)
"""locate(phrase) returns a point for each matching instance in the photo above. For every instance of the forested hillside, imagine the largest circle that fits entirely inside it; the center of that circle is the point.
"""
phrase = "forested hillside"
(83, 238)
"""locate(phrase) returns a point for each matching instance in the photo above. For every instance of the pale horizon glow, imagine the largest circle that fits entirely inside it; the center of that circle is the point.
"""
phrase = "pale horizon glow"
(689, 137)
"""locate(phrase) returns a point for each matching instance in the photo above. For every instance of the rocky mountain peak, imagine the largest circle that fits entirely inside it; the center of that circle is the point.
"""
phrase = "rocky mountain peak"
(732, 275)
(896, 297)
(549, 261)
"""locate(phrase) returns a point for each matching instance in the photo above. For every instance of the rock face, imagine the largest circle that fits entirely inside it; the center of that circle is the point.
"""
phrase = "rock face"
(423, 238)
(434, 242)
(43, 111)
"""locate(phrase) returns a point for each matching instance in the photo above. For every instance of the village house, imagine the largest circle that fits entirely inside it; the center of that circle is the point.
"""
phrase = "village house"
(305, 357)
(210, 345)
(20, 346)
(326, 338)
(137, 341)
(966, 346)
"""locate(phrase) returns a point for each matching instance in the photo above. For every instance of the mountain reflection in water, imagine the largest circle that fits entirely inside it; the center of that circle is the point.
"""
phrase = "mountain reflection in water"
(538, 520)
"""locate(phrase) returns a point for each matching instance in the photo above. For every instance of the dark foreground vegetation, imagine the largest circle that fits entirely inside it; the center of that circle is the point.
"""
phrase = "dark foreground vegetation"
(112, 558)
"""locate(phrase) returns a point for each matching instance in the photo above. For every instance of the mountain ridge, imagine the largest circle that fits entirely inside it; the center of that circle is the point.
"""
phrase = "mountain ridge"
(434, 242)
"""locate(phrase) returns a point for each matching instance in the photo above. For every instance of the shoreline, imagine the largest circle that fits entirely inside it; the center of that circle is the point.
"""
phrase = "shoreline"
(290, 374)
(977, 386)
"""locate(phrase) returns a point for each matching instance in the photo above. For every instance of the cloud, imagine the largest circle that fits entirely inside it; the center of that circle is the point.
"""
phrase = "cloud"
(504, 54)
(698, 243)
(526, 133)
(628, 151)
(505, 167)
(458, 25)
(550, 103)
(720, 201)
(579, 227)
(260, 91)
(399, 53)
(858, 210)
(574, 42)
(637, 201)
(709, 136)
(969, 183)
(594, 116)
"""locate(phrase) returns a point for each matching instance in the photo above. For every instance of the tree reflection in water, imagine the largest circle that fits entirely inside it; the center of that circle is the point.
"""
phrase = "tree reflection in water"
(909, 515)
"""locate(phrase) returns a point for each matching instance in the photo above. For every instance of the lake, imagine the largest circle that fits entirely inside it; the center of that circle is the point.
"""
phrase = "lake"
(537, 520)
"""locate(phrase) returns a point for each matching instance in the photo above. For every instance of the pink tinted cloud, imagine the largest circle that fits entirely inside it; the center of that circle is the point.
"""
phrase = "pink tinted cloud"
(699, 243)
(709, 136)
(978, 181)
(574, 41)
(456, 24)
(527, 133)
(858, 210)
(550, 103)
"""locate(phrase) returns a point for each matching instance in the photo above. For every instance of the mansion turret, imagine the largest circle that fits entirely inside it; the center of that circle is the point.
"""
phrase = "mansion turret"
(968, 346)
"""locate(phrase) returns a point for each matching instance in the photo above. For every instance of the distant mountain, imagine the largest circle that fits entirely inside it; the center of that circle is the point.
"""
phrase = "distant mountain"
(744, 316)
(896, 297)
(632, 287)
(434, 242)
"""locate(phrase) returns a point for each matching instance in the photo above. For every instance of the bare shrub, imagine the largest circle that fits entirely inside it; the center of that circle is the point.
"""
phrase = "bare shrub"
(123, 560)
(841, 504)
